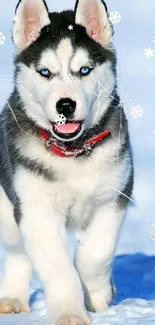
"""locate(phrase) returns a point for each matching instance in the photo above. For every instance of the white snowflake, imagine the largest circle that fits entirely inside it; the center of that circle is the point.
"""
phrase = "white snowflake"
(60, 119)
(115, 17)
(137, 111)
(154, 39)
(70, 27)
(148, 52)
(69, 78)
(154, 131)
(2, 39)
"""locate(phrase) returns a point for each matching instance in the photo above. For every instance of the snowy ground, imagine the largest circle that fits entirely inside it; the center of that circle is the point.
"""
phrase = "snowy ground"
(134, 277)
(134, 266)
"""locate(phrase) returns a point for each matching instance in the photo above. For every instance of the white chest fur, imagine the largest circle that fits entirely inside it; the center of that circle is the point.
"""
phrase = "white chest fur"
(81, 184)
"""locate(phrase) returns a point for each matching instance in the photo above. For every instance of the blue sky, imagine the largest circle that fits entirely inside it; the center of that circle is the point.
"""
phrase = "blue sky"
(136, 80)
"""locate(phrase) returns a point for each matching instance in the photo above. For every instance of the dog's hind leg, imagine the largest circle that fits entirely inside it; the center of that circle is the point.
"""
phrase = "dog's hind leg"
(14, 287)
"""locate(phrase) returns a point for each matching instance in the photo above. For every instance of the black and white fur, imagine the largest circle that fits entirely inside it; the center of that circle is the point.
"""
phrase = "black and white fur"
(43, 195)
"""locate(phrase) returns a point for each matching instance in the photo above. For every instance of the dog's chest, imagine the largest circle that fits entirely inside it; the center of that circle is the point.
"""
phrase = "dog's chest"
(89, 183)
(83, 183)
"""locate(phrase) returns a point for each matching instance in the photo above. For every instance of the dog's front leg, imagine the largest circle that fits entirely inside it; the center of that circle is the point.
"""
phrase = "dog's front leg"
(95, 253)
(43, 228)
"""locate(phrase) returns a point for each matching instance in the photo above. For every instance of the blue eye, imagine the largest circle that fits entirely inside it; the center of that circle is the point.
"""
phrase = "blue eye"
(84, 71)
(45, 73)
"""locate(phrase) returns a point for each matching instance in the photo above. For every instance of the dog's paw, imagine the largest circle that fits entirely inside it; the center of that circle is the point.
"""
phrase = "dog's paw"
(12, 306)
(72, 320)
(100, 300)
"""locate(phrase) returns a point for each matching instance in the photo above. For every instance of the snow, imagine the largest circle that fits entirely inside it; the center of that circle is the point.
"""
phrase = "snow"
(70, 27)
(2, 39)
(115, 17)
(149, 52)
(134, 277)
(134, 266)
(60, 119)
(137, 111)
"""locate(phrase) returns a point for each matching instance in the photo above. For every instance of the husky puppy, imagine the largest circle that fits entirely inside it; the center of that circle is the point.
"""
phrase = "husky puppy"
(65, 161)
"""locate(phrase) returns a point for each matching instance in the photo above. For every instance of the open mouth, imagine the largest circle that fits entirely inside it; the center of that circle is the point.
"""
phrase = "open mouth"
(68, 130)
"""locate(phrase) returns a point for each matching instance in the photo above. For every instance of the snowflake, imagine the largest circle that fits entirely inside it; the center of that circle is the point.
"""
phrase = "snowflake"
(114, 17)
(148, 52)
(2, 39)
(154, 39)
(70, 27)
(137, 111)
(60, 119)
(69, 78)
(154, 131)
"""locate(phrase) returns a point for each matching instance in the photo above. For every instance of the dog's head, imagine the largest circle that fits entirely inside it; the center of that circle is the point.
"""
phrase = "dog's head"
(65, 65)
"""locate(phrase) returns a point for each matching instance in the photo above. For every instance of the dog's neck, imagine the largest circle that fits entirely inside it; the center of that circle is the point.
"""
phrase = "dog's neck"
(62, 150)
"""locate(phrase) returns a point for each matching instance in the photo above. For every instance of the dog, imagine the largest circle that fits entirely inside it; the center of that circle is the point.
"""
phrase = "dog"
(65, 161)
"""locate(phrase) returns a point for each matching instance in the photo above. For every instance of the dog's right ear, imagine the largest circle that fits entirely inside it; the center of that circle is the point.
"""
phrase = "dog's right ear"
(30, 17)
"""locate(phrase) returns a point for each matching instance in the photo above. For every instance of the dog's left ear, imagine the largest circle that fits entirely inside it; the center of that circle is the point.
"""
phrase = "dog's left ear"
(30, 17)
(93, 15)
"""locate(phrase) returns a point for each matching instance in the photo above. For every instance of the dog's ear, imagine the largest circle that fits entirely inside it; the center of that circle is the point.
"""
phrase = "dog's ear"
(93, 15)
(30, 17)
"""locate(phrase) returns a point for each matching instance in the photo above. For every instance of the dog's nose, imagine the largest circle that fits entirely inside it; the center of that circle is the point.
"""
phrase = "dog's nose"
(66, 106)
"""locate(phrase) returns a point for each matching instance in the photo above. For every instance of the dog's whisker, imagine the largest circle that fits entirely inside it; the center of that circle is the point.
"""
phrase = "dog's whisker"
(9, 80)
(131, 200)
(128, 92)
(119, 136)
(100, 97)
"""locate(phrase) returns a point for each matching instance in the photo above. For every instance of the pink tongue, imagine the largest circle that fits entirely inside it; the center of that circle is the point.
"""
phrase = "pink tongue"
(67, 128)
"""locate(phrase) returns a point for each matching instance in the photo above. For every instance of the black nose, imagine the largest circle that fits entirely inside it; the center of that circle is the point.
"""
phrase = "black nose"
(66, 106)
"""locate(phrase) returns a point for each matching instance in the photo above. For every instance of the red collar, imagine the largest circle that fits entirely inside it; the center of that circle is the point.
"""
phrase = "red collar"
(65, 151)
